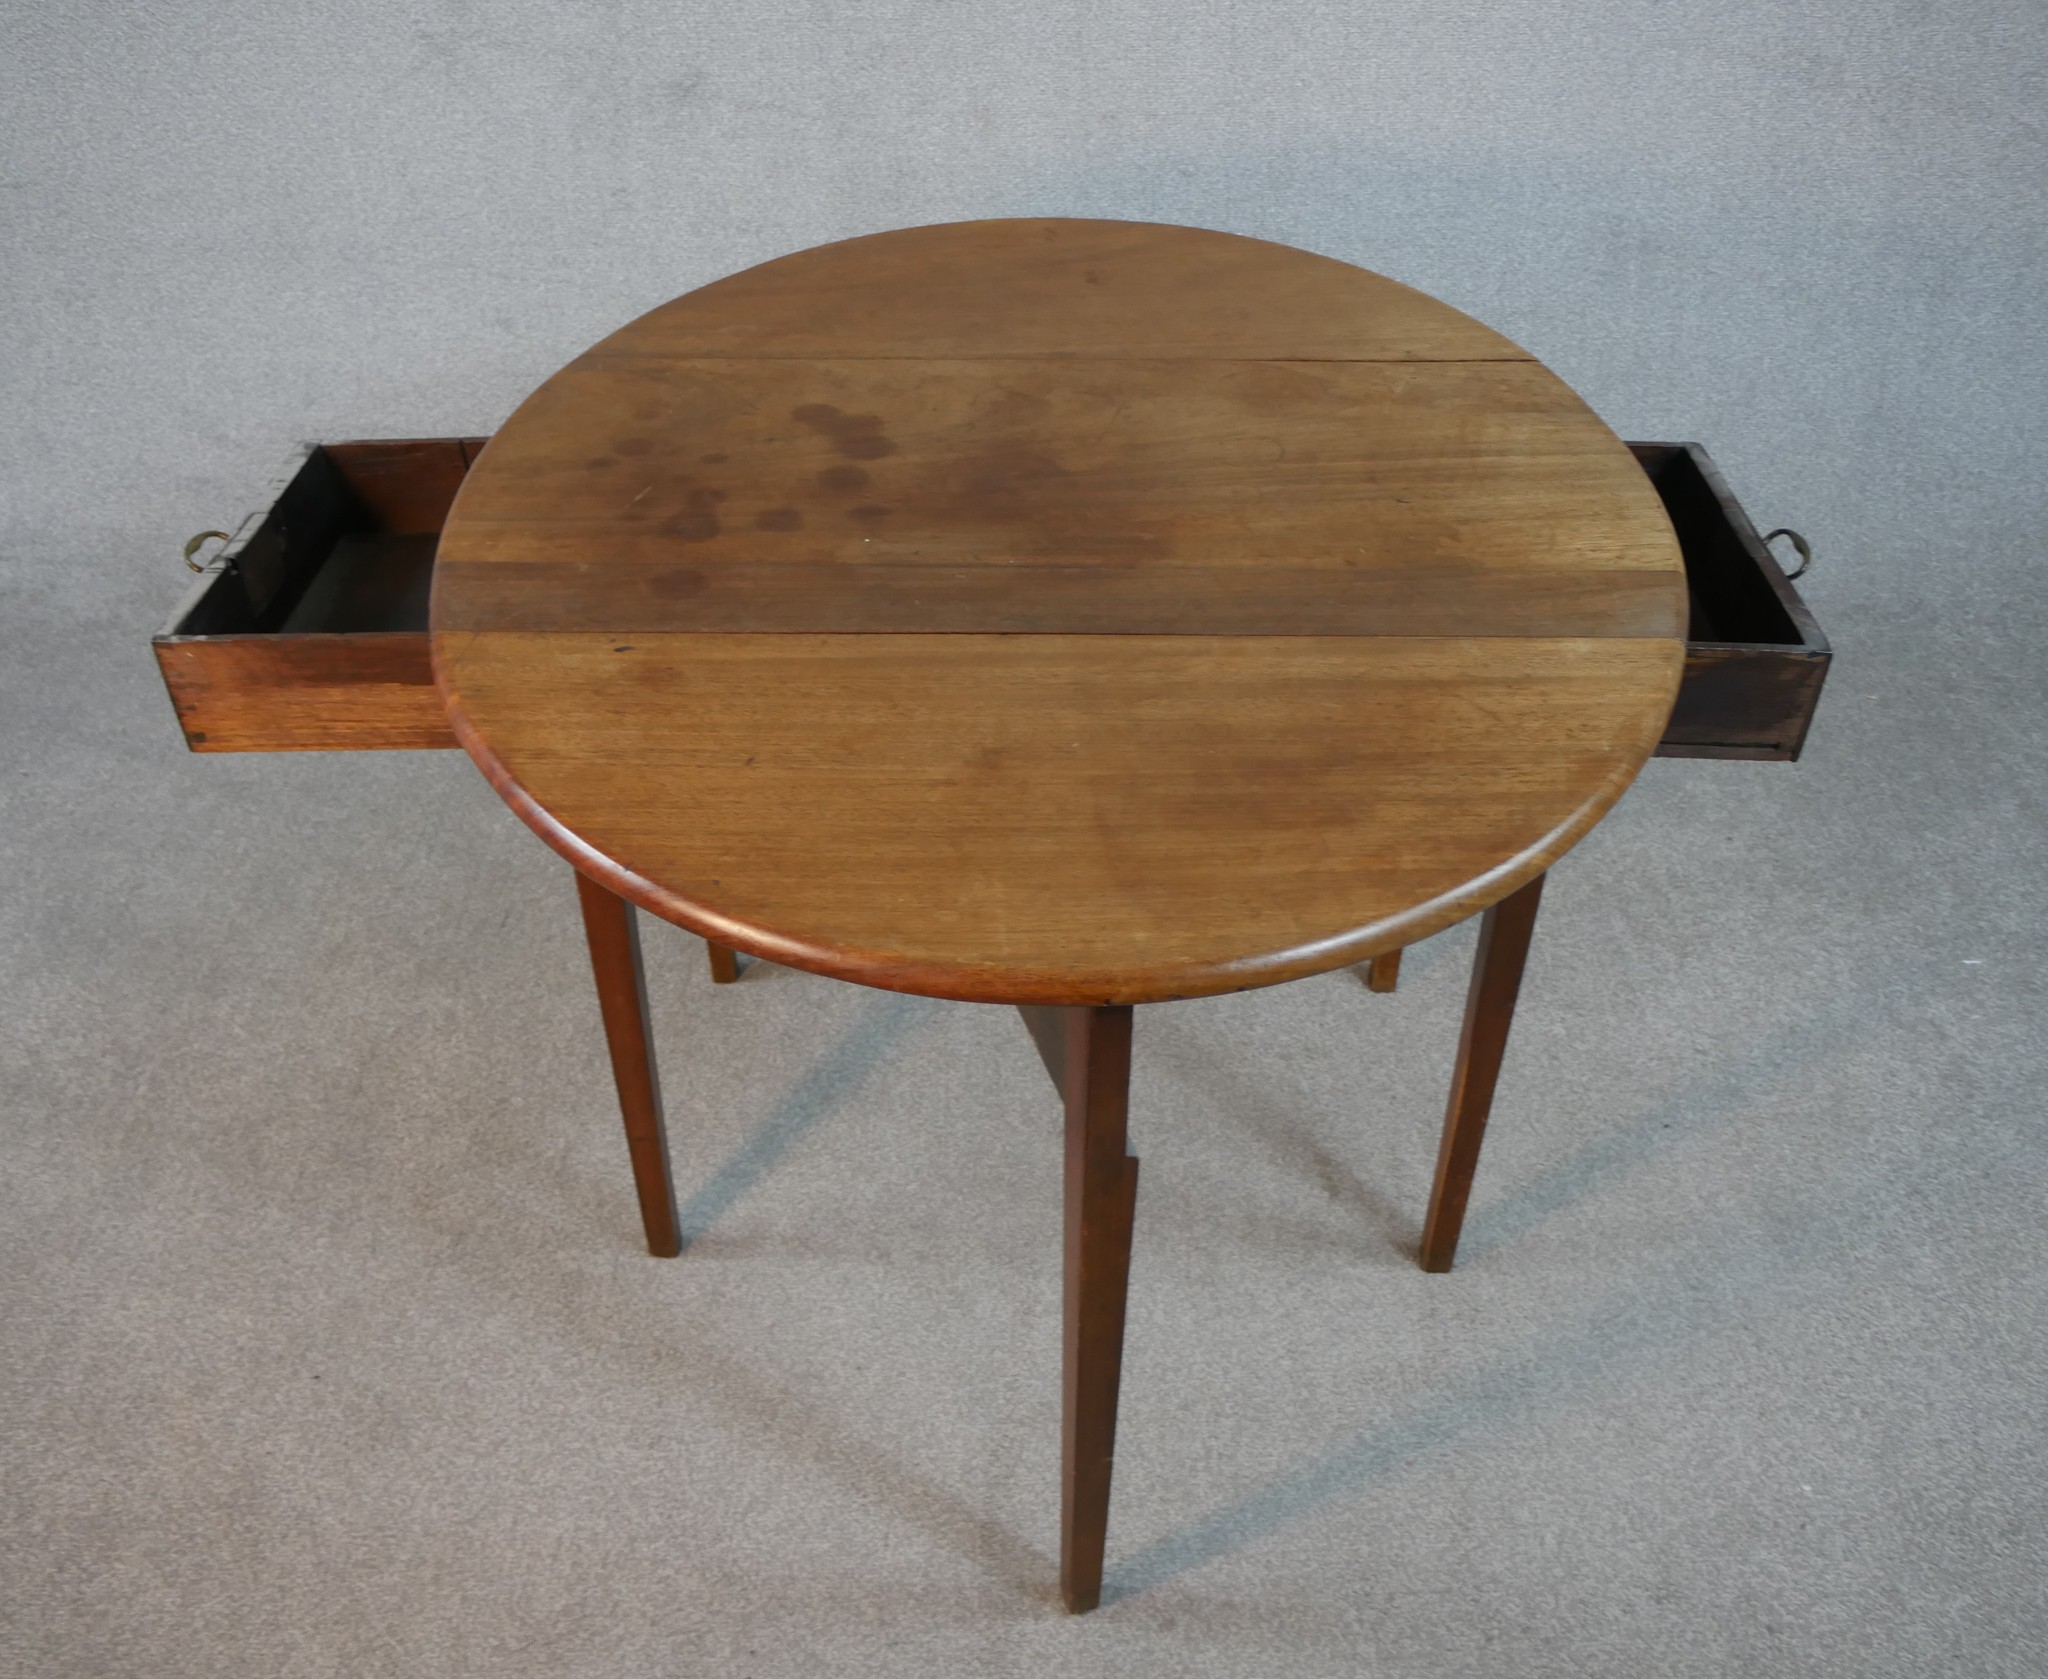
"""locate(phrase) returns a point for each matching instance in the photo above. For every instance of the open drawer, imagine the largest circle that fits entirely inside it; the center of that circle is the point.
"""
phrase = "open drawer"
(309, 630)
(1754, 657)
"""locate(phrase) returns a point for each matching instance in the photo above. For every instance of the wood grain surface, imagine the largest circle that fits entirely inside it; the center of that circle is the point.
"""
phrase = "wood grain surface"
(1058, 613)
(304, 693)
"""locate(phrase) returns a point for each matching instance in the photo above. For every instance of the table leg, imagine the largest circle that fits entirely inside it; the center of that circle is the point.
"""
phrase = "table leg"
(725, 963)
(609, 924)
(1384, 972)
(1102, 1189)
(1489, 1011)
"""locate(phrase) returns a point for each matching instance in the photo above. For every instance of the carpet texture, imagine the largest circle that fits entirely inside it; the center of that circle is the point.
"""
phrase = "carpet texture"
(326, 1343)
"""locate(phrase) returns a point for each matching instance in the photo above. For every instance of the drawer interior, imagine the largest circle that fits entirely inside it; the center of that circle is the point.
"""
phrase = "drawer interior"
(370, 580)
(346, 545)
(1737, 593)
(1755, 659)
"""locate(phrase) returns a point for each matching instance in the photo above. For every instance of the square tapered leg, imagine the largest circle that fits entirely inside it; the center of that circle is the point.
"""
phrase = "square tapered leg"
(1489, 1012)
(1102, 1188)
(609, 924)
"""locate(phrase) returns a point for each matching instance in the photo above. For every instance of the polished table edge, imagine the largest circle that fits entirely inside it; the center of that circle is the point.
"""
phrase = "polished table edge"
(956, 982)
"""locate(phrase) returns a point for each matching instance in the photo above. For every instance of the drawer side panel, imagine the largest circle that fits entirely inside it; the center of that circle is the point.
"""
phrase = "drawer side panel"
(307, 693)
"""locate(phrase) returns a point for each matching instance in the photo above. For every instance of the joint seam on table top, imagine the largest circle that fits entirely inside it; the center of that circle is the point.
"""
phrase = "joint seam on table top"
(1042, 356)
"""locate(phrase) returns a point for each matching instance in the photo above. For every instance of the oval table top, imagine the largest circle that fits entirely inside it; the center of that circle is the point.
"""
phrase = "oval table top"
(1058, 612)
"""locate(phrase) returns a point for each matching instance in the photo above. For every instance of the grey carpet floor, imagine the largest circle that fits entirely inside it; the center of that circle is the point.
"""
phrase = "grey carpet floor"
(327, 1346)
(330, 1347)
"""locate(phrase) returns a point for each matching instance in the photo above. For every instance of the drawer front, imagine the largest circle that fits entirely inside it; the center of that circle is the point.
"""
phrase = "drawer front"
(304, 693)
(1744, 702)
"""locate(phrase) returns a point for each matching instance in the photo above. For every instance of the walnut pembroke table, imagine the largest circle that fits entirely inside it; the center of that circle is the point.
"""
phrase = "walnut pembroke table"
(1076, 615)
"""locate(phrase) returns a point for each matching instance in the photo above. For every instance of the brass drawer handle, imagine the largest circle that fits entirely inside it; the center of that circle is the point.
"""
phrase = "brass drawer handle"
(1799, 542)
(192, 548)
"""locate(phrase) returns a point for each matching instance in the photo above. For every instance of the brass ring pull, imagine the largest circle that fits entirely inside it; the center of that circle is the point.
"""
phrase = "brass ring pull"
(192, 548)
(1799, 542)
